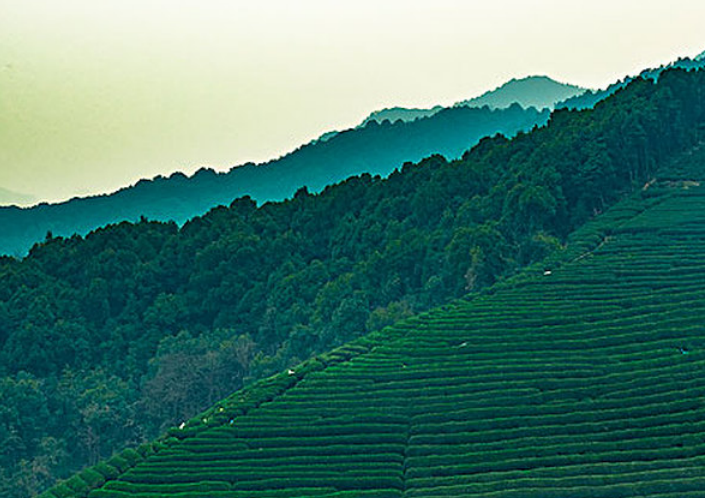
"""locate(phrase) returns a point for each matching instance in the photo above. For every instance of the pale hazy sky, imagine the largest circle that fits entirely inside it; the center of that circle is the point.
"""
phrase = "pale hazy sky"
(95, 94)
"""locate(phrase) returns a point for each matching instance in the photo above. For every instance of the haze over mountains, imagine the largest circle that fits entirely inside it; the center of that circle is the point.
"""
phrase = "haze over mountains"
(335, 156)
(331, 158)
(8, 197)
(540, 92)
(375, 149)
(395, 114)
(533, 91)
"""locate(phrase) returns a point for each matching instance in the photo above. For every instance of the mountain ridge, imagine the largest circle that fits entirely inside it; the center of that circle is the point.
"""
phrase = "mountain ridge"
(374, 149)
(538, 91)
(531, 91)
(398, 113)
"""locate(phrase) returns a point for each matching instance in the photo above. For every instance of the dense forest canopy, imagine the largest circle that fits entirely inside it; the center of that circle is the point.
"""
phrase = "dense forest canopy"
(106, 340)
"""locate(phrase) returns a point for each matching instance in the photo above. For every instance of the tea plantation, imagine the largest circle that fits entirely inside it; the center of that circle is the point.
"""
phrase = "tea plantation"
(584, 377)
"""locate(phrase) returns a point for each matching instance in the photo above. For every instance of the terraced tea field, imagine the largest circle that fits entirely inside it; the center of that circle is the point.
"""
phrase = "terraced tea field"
(581, 378)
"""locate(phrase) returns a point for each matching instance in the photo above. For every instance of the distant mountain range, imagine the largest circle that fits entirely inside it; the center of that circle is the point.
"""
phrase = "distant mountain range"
(375, 149)
(9, 197)
(384, 141)
(533, 91)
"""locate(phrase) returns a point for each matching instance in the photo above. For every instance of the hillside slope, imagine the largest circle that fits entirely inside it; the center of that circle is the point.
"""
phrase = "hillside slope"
(582, 377)
(374, 149)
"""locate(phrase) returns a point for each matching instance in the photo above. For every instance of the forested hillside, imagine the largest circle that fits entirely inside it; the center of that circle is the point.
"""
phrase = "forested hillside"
(108, 339)
(583, 380)
(374, 149)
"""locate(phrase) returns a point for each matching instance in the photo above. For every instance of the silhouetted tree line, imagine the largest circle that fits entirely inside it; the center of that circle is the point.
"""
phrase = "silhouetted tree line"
(106, 340)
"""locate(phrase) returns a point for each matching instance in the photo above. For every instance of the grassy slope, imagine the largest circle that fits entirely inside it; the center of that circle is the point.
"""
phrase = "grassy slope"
(585, 382)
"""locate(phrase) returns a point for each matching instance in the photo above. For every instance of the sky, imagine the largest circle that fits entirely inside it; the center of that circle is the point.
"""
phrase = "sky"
(95, 95)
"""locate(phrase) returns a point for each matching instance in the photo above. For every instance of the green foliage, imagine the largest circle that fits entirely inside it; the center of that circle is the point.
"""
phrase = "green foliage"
(92, 478)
